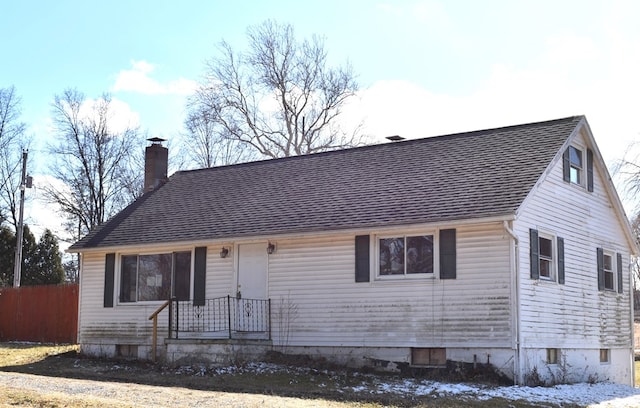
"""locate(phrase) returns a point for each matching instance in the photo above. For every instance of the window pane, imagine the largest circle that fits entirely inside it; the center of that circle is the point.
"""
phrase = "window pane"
(128, 278)
(154, 277)
(608, 280)
(574, 175)
(420, 254)
(182, 275)
(608, 271)
(575, 156)
(545, 268)
(392, 256)
(546, 248)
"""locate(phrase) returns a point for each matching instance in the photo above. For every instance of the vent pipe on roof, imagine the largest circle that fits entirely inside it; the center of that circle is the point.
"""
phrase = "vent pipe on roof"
(156, 163)
(395, 138)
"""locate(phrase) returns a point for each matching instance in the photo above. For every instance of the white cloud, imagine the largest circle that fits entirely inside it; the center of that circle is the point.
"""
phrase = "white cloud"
(574, 75)
(120, 115)
(570, 48)
(138, 79)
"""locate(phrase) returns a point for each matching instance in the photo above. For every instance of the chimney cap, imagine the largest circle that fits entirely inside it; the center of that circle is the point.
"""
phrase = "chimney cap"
(395, 138)
(156, 140)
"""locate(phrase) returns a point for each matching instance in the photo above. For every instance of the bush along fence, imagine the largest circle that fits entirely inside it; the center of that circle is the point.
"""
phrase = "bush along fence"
(45, 314)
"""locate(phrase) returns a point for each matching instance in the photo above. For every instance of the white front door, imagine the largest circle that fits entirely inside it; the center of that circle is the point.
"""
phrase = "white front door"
(251, 307)
(252, 271)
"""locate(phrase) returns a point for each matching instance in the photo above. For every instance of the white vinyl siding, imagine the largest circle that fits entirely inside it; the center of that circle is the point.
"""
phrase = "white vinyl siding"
(574, 314)
(127, 323)
(122, 324)
(317, 275)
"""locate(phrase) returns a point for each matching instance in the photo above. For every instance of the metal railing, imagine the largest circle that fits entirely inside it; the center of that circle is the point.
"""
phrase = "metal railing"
(221, 317)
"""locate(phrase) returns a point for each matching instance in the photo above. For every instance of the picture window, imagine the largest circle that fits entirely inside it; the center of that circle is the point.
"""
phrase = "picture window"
(405, 255)
(155, 277)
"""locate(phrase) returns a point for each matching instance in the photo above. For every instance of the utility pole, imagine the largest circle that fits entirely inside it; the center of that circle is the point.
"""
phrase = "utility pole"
(24, 184)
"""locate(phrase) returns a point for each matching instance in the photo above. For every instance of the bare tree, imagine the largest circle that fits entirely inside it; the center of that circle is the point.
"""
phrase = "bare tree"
(92, 160)
(280, 97)
(628, 171)
(12, 141)
(209, 145)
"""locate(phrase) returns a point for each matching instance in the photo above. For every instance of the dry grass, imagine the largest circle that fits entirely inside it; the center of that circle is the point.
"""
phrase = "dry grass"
(11, 397)
(13, 354)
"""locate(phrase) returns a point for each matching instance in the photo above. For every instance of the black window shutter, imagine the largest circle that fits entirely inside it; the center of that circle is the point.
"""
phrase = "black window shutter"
(560, 242)
(362, 258)
(448, 254)
(566, 166)
(589, 170)
(109, 272)
(199, 275)
(600, 259)
(619, 259)
(534, 254)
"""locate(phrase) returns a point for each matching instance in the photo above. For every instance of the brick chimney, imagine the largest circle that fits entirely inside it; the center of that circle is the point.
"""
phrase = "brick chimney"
(156, 162)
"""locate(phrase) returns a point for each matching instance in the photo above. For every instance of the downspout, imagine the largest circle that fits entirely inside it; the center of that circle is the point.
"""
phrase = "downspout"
(633, 346)
(515, 292)
(79, 317)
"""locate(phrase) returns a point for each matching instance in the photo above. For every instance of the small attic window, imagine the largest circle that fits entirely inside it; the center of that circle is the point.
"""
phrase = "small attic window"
(577, 167)
(575, 170)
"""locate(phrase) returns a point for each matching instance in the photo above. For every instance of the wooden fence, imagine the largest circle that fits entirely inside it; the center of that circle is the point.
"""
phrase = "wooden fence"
(46, 314)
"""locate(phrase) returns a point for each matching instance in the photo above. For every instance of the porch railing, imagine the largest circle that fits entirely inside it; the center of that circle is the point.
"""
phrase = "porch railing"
(221, 317)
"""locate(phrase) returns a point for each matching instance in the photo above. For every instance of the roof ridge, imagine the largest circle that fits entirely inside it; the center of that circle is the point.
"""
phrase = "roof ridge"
(385, 144)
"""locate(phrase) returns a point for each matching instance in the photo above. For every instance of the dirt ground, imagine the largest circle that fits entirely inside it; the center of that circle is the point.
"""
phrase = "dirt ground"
(56, 376)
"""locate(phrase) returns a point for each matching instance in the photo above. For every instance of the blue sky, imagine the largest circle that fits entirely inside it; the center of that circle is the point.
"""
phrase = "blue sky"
(426, 67)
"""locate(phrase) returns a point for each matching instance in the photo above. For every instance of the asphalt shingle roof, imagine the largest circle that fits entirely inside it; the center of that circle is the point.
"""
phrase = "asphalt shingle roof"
(461, 176)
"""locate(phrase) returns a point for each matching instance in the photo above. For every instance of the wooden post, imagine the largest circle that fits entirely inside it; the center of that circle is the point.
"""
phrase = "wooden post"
(154, 317)
(154, 344)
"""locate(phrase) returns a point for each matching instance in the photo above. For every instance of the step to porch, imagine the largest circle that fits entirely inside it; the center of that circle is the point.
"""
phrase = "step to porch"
(210, 351)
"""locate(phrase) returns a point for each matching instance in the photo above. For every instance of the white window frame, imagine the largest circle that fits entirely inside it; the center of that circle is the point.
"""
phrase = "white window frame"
(118, 275)
(579, 170)
(553, 261)
(613, 271)
(607, 354)
(405, 275)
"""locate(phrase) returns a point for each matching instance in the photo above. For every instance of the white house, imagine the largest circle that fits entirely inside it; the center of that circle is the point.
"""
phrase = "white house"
(506, 247)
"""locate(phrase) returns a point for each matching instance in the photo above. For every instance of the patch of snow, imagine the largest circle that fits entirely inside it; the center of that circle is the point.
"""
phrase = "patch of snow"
(592, 395)
(599, 395)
